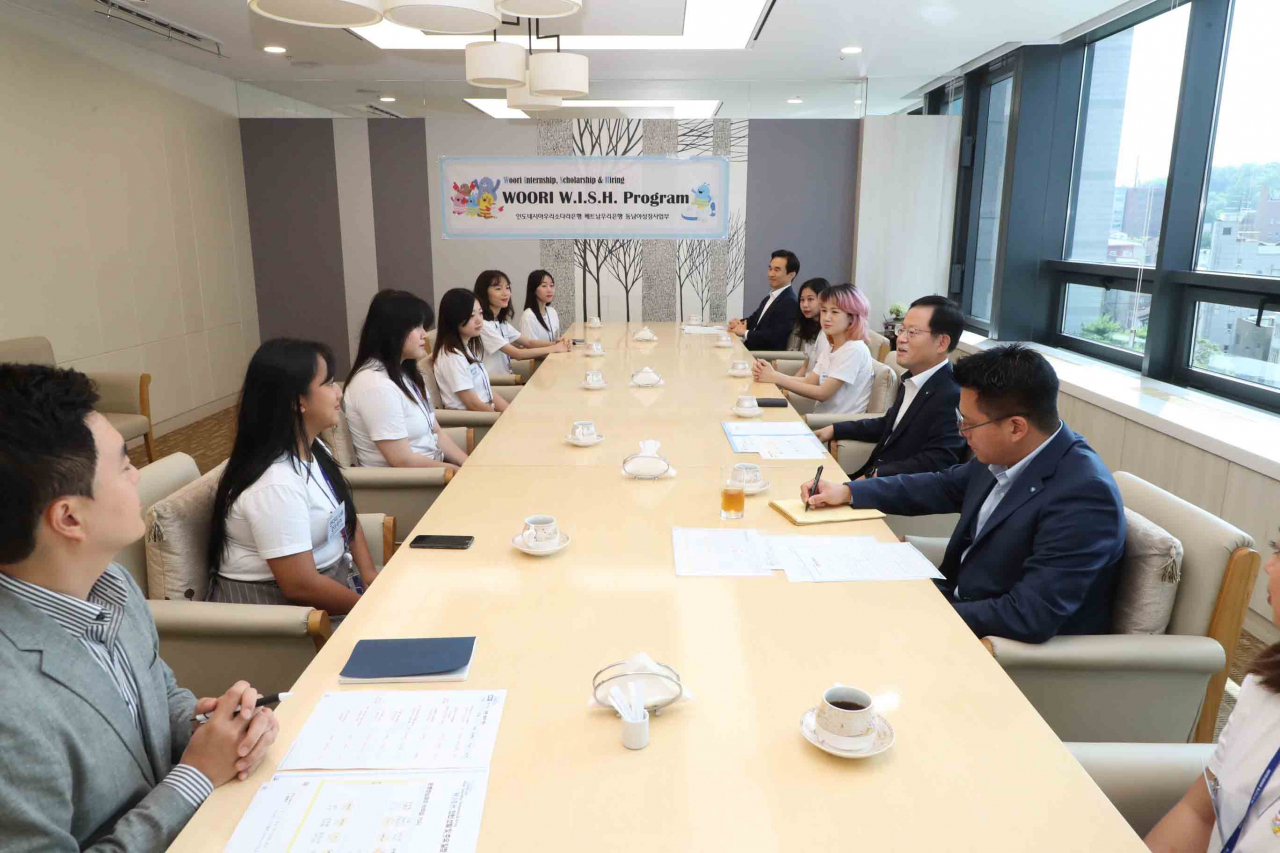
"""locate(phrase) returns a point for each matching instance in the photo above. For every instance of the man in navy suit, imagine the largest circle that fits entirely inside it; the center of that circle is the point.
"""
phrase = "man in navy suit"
(918, 433)
(1041, 530)
(770, 325)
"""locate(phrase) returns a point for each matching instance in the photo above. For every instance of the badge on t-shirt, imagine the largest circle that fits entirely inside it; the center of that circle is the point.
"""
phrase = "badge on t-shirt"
(338, 522)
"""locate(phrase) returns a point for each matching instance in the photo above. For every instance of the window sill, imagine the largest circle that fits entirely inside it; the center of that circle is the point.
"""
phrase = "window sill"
(1233, 431)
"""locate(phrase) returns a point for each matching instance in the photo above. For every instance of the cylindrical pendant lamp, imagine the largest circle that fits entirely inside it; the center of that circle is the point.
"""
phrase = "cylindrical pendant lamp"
(523, 99)
(495, 65)
(453, 17)
(321, 13)
(539, 8)
(555, 74)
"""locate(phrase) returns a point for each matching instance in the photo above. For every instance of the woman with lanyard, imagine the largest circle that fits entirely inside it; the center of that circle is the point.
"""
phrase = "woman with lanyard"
(457, 361)
(1235, 807)
(500, 341)
(284, 526)
(388, 411)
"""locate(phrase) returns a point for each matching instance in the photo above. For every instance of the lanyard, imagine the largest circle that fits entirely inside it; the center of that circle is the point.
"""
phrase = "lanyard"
(425, 405)
(1257, 792)
(346, 543)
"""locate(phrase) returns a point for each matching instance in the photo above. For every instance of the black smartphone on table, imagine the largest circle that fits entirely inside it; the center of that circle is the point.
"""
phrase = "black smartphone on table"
(771, 402)
(447, 543)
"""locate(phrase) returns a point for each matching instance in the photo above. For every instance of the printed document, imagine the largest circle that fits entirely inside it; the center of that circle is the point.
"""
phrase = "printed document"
(817, 559)
(709, 552)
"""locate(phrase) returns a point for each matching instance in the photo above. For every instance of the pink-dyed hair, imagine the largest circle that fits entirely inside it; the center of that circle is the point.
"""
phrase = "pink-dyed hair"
(850, 300)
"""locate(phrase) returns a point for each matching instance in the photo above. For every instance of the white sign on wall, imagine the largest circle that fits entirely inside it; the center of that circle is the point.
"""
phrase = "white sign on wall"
(530, 198)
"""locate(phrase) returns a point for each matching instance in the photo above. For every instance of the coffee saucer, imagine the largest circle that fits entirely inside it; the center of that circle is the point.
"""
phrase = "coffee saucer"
(584, 442)
(756, 489)
(591, 354)
(519, 544)
(739, 374)
(600, 387)
(748, 413)
(882, 741)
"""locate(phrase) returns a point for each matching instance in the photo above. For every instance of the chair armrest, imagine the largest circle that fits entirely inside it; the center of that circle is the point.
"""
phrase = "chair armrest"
(1142, 780)
(397, 478)
(379, 534)
(122, 392)
(819, 421)
(506, 379)
(934, 549)
(214, 618)
(1112, 652)
(465, 418)
(779, 355)
(506, 392)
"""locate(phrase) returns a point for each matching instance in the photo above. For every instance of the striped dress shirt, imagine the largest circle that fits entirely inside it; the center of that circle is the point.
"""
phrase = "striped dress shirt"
(95, 624)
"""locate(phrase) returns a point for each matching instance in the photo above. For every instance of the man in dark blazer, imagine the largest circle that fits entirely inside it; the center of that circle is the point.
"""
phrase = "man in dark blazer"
(918, 434)
(769, 327)
(1042, 528)
(100, 752)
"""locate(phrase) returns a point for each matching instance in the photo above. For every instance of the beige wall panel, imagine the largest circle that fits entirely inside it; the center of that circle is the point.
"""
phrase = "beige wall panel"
(215, 250)
(1252, 503)
(201, 372)
(239, 212)
(1190, 473)
(1102, 429)
(183, 226)
(169, 364)
(226, 359)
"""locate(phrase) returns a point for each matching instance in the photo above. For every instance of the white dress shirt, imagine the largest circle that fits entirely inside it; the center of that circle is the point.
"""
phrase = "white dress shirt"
(773, 297)
(911, 387)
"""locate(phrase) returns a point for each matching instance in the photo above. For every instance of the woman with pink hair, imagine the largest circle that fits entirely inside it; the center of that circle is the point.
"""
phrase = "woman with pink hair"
(841, 378)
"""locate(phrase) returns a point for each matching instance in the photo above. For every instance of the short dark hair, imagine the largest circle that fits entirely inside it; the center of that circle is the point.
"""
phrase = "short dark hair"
(1012, 380)
(946, 319)
(46, 448)
(793, 263)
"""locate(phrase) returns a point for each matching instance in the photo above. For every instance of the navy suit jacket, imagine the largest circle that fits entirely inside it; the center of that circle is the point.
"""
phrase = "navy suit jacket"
(926, 440)
(771, 331)
(1047, 559)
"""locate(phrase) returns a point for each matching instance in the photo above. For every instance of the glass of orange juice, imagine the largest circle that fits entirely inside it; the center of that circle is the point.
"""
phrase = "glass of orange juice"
(733, 498)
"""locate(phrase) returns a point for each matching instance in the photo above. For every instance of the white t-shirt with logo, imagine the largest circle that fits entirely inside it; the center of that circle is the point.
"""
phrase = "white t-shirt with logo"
(851, 364)
(535, 330)
(286, 511)
(454, 373)
(1245, 748)
(377, 410)
(815, 348)
(494, 336)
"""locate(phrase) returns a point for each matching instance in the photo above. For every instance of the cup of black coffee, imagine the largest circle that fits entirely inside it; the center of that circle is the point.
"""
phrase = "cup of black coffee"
(846, 718)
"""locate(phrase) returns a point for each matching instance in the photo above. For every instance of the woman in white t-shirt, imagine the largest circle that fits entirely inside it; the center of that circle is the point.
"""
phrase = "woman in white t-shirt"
(457, 360)
(1222, 806)
(500, 340)
(284, 526)
(388, 410)
(841, 378)
(807, 336)
(540, 322)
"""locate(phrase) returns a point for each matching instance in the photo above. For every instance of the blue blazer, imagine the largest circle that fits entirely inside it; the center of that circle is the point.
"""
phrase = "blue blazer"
(769, 330)
(1047, 559)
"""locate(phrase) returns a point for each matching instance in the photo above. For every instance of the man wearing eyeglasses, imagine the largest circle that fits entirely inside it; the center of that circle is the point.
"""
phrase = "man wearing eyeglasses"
(918, 433)
(1041, 529)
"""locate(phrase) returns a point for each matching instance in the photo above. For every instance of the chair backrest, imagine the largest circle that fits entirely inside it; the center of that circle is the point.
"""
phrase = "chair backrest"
(338, 437)
(178, 539)
(27, 351)
(1208, 543)
(878, 344)
(156, 482)
(427, 367)
(884, 388)
(892, 360)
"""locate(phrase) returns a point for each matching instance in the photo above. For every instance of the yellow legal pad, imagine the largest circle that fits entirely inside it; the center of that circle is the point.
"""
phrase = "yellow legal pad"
(793, 509)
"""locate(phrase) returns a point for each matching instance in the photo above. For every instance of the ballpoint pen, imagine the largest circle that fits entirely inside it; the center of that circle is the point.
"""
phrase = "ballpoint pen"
(813, 488)
(269, 699)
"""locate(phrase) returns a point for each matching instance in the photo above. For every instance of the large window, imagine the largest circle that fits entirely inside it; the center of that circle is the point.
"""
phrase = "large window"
(1240, 232)
(1126, 134)
(998, 98)
(1111, 317)
(1238, 342)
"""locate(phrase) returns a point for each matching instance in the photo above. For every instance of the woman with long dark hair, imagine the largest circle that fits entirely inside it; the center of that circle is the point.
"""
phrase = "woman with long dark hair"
(388, 409)
(501, 340)
(284, 526)
(458, 358)
(540, 322)
(807, 335)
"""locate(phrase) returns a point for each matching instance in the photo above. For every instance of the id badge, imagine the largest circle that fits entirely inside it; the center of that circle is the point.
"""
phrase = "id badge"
(338, 522)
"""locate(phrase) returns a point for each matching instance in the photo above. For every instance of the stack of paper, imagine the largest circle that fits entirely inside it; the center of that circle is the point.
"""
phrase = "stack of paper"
(810, 559)
(793, 510)
(711, 552)
(774, 440)
(702, 330)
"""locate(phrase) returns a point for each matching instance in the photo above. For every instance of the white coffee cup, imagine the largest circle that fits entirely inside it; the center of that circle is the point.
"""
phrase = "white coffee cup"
(739, 367)
(747, 403)
(540, 532)
(594, 322)
(747, 473)
(846, 728)
(595, 377)
(694, 320)
(584, 430)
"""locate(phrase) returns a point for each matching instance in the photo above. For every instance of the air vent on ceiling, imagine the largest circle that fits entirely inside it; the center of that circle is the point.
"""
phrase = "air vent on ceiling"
(764, 19)
(158, 26)
(377, 111)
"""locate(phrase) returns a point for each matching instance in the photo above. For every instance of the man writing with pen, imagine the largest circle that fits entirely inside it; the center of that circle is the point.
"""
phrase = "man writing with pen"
(99, 746)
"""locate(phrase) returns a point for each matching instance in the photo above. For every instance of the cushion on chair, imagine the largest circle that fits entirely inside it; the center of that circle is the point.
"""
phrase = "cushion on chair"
(426, 366)
(892, 360)
(877, 343)
(178, 538)
(27, 351)
(1149, 575)
(155, 482)
(338, 437)
(884, 388)
(130, 426)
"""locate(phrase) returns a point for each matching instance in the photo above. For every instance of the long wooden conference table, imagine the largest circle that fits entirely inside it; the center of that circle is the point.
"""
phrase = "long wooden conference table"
(973, 767)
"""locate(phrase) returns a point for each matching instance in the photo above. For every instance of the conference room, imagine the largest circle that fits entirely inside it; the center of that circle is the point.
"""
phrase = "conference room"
(705, 424)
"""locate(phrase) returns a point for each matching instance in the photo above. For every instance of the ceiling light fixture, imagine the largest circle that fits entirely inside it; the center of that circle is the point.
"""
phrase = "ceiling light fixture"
(274, 48)
(857, 100)
(558, 75)
(523, 98)
(539, 8)
(850, 50)
(794, 101)
(321, 13)
(387, 99)
(680, 109)
(495, 65)
(444, 16)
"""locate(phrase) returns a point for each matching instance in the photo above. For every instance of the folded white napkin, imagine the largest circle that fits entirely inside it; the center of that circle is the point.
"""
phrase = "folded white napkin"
(649, 447)
(655, 689)
(645, 334)
(651, 384)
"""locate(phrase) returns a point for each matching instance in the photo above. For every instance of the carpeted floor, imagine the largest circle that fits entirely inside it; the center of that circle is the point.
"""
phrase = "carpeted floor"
(209, 441)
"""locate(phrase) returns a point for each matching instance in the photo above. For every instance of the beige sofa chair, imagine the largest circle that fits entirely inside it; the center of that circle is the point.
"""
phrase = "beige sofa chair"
(477, 424)
(1143, 688)
(209, 645)
(1143, 780)
(124, 398)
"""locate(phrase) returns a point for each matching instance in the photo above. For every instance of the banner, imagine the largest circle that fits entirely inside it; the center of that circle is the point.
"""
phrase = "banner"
(530, 198)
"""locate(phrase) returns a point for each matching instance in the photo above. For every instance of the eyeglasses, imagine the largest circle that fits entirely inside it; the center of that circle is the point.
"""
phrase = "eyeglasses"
(960, 424)
(909, 333)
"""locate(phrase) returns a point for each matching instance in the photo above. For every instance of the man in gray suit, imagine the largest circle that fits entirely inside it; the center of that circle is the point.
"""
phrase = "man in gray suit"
(97, 746)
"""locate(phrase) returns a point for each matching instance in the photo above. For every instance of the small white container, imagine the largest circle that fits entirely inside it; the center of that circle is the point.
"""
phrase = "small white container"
(636, 735)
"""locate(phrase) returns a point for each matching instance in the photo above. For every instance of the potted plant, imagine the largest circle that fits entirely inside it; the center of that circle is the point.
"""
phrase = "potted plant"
(897, 311)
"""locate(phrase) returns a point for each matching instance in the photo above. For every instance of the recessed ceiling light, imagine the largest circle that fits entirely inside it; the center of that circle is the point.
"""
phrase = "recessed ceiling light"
(387, 99)
(857, 100)
(851, 49)
(794, 101)
(274, 48)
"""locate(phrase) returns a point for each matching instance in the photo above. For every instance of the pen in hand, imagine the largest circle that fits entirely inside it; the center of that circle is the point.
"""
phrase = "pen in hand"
(269, 699)
(813, 488)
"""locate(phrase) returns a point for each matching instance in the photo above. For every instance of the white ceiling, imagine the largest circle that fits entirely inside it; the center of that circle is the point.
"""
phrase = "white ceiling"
(906, 45)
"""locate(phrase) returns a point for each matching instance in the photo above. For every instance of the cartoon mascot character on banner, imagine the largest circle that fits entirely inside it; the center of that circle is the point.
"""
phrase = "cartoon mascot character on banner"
(702, 206)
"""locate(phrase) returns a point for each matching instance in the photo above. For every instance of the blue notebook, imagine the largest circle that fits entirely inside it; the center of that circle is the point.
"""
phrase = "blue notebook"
(416, 659)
